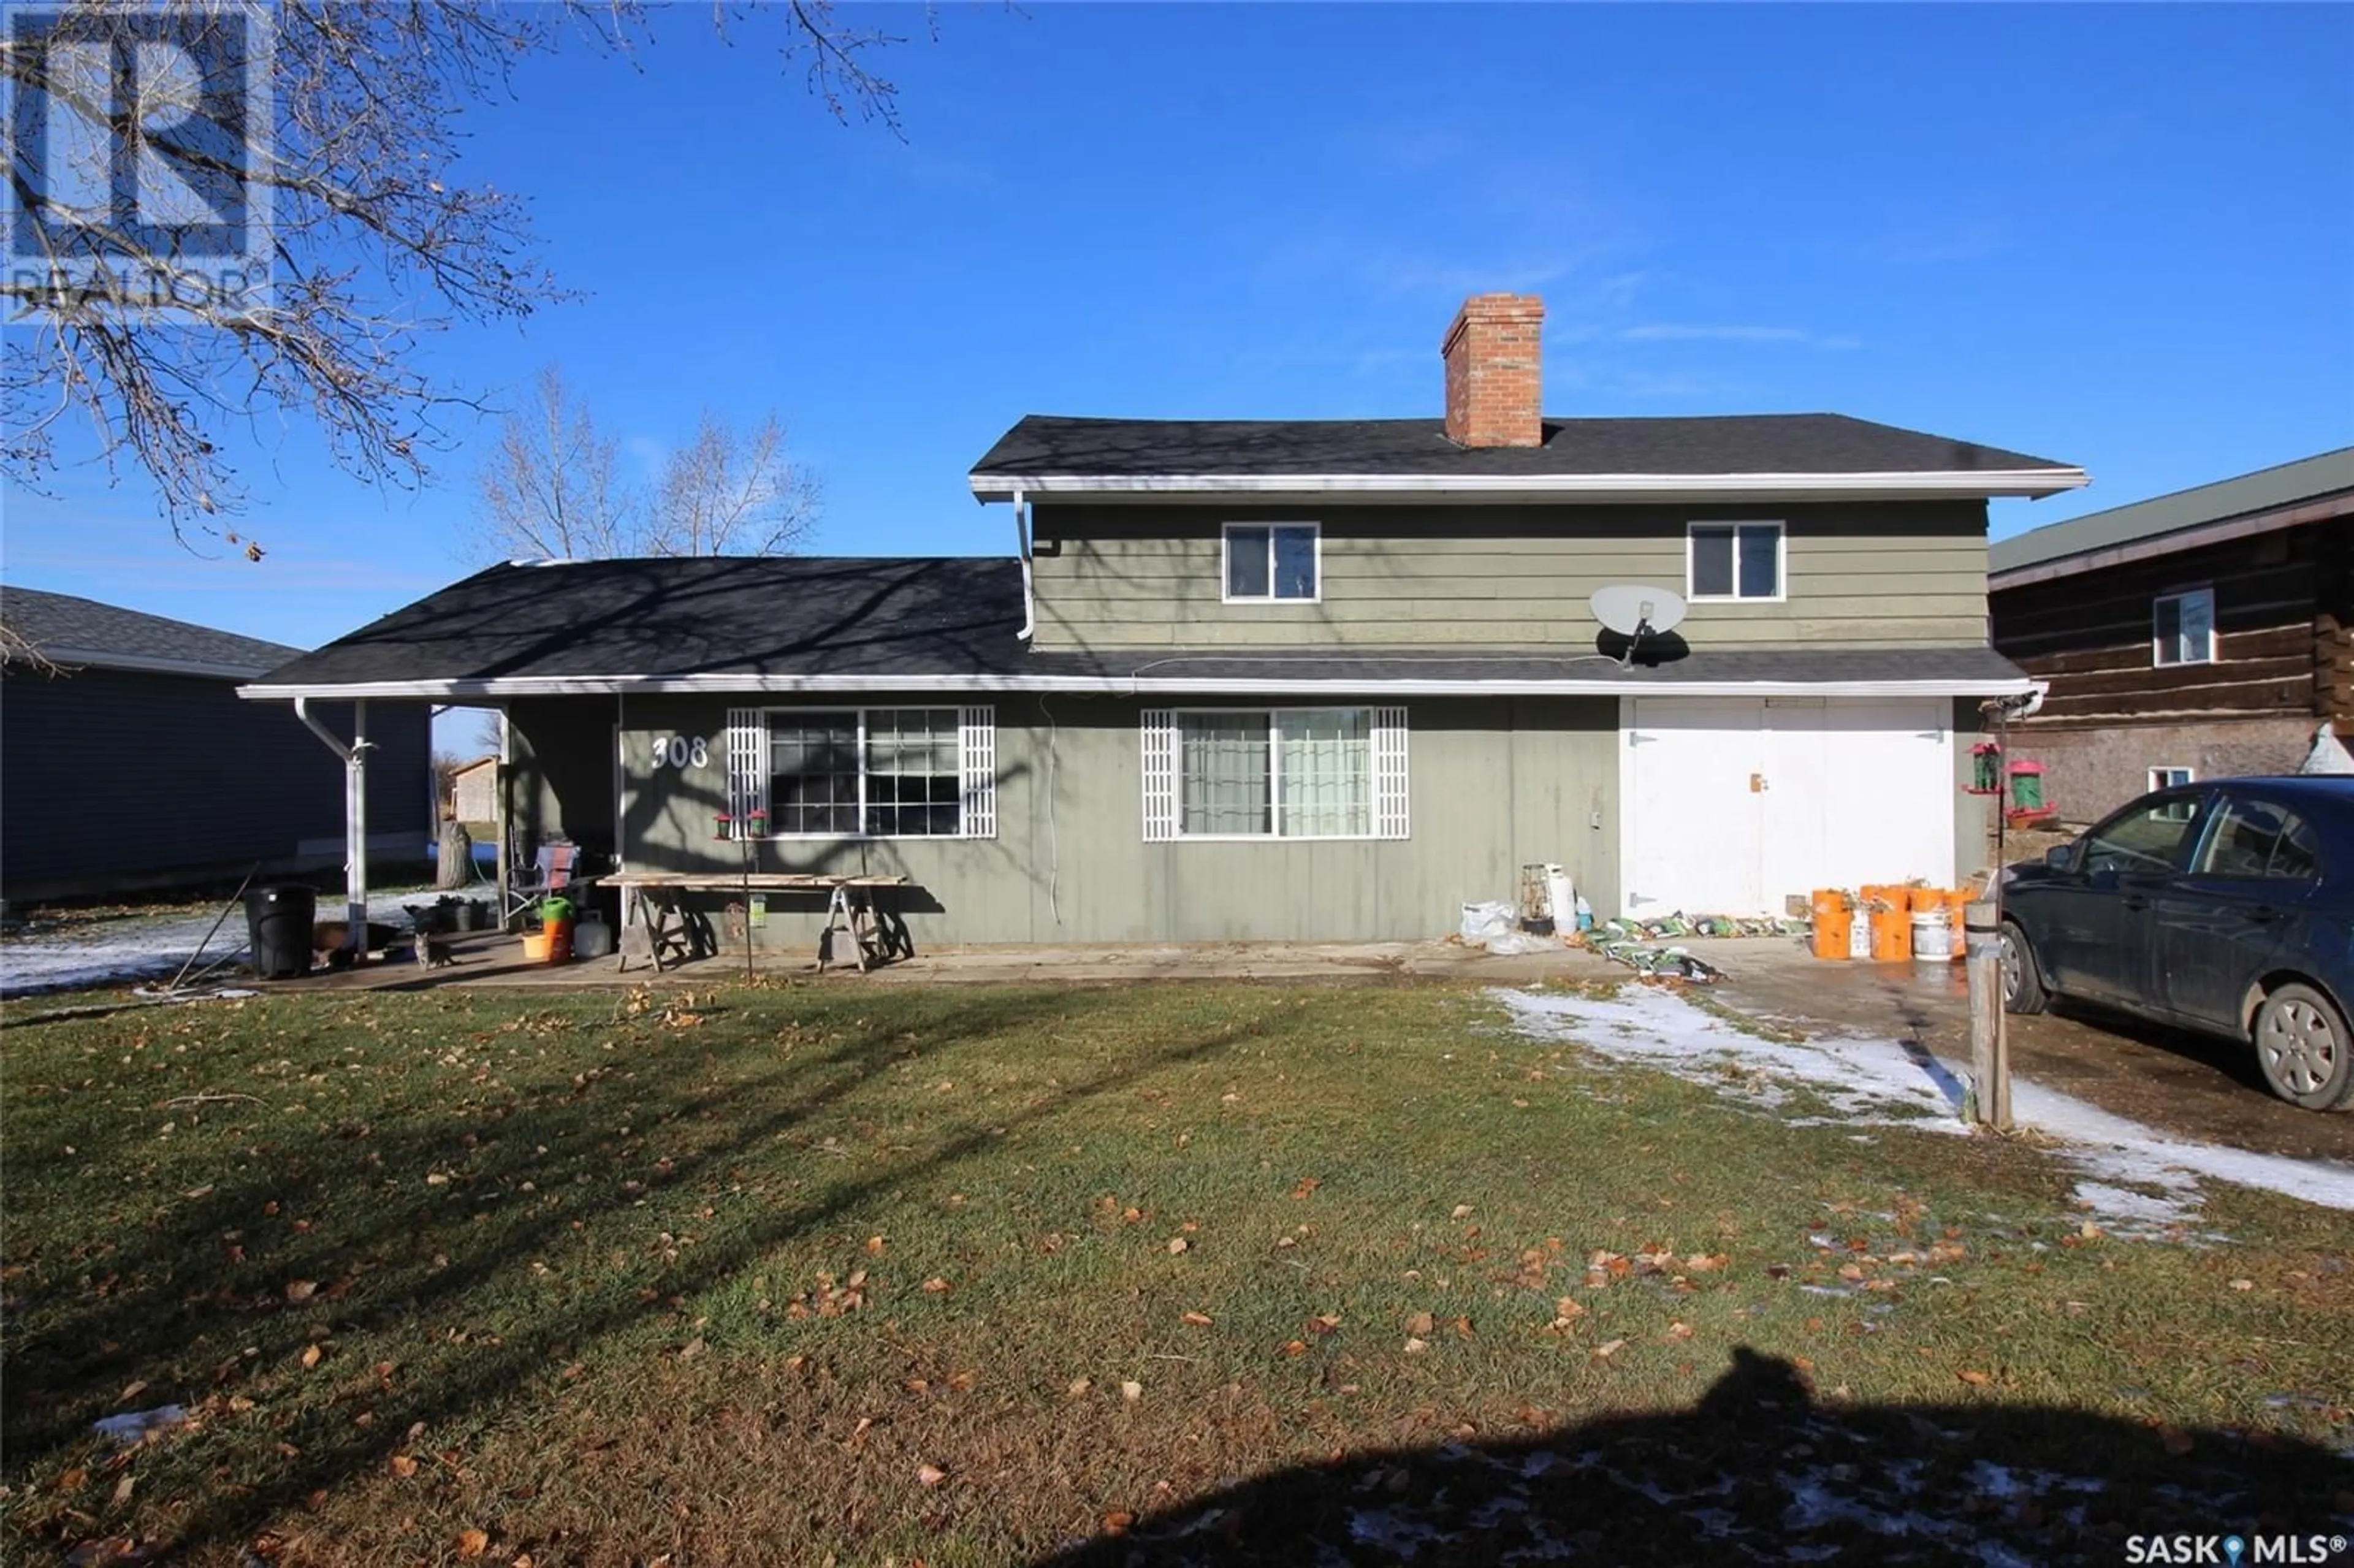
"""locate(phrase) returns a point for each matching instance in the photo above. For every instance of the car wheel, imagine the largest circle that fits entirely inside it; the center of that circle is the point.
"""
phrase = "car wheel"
(2022, 983)
(2304, 1048)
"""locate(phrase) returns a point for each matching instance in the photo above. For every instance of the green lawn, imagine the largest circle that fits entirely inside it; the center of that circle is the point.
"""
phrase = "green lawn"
(970, 1276)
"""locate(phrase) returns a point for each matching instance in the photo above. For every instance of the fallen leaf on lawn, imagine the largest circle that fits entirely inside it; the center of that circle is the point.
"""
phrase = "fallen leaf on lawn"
(1079, 1387)
(1132, 1391)
(1199, 1319)
(1680, 1332)
(403, 1465)
(1129, 1216)
(1116, 1522)
(523, 1560)
(122, 1489)
(1295, 1346)
(1416, 1347)
(874, 1244)
(473, 1544)
(931, 1475)
(2089, 1231)
(1975, 1378)
(1418, 1324)
(1325, 1322)
(692, 1349)
(936, 1286)
(114, 1549)
(300, 1289)
(1463, 1327)
(1178, 1244)
(310, 1355)
(2243, 1285)
(1608, 1348)
(1306, 1184)
(1462, 1211)
(131, 1392)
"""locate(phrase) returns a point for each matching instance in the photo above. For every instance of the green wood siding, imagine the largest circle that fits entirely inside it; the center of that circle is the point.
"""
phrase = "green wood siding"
(1859, 576)
(1495, 782)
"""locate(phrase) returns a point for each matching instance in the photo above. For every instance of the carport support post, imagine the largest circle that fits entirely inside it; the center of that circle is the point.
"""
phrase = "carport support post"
(356, 834)
(1990, 1049)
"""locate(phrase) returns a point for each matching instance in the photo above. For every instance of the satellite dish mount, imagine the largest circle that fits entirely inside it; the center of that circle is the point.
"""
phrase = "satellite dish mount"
(1635, 610)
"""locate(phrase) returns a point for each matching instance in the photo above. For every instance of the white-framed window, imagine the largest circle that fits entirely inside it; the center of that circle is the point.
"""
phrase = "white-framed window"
(1275, 773)
(862, 773)
(1734, 561)
(1272, 563)
(2182, 627)
(2170, 777)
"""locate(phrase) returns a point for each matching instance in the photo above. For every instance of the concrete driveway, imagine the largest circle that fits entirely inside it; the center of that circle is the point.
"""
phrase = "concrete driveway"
(2183, 1083)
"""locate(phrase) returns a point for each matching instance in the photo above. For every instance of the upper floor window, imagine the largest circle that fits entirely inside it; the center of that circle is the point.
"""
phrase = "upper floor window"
(1269, 561)
(1734, 560)
(2182, 627)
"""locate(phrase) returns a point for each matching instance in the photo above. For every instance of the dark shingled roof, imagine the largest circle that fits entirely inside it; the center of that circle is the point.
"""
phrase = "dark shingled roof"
(745, 615)
(82, 632)
(922, 617)
(1738, 443)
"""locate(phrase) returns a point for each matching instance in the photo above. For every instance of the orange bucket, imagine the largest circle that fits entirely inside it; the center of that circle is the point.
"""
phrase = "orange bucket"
(1834, 925)
(1925, 899)
(1892, 934)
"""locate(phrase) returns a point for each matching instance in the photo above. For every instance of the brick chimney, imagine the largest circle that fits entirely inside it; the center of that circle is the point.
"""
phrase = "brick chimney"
(1495, 372)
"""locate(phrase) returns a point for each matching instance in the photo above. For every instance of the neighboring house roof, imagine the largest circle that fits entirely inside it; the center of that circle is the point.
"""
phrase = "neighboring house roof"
(1744, 454)
(476, 765)
(948, 624)
(83, 633)
(2308, 490)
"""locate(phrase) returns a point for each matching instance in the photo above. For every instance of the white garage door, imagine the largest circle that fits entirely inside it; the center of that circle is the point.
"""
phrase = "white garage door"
(1732, 804)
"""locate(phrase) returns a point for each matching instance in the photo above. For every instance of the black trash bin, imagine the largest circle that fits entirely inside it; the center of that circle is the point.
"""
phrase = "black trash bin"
(278, 921)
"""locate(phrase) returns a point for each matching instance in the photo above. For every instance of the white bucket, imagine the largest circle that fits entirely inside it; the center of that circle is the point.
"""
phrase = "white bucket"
(1560, 896)
(1859, 935)
(1933, 937)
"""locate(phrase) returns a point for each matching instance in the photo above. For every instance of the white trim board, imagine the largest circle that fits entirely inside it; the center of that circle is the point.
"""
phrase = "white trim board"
(1127, 686)
(1900, 485)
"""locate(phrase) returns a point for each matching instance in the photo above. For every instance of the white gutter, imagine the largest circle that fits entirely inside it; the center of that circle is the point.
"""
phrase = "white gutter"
(354, 760)
(1021, 548)
(2035, 481)
(1139, 685)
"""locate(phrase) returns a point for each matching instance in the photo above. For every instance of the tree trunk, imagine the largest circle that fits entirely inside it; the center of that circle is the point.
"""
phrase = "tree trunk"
(455, 865)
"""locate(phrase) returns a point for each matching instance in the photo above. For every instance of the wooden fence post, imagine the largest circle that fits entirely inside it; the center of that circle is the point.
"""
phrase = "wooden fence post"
(1989, 1050)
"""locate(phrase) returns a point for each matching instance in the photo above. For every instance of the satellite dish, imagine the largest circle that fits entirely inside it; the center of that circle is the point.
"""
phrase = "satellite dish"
(1634, 609)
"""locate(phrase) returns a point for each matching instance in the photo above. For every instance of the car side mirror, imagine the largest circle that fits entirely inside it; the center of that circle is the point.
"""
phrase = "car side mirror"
(2061, 857)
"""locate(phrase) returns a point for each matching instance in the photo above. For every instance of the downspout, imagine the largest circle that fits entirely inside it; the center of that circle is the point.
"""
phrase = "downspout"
(354, 756)
(1021, 548)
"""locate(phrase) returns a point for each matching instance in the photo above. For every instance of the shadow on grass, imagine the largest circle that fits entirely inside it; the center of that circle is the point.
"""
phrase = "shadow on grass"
(1757, 1471)
(375, 1276)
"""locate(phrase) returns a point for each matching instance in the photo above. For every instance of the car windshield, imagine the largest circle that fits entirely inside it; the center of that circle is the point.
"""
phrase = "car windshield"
(2147, 837)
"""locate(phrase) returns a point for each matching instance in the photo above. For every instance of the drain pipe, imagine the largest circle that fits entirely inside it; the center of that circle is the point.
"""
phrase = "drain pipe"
(1021, 548)
(354, 756)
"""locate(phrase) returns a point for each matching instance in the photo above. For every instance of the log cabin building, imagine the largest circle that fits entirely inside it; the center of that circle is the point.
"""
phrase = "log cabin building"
(2207, 634)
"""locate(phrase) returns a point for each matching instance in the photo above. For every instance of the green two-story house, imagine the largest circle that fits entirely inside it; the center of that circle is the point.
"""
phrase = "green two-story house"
(1284, 678)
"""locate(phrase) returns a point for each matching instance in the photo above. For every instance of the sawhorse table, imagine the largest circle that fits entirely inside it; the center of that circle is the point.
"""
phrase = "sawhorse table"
(661, 900)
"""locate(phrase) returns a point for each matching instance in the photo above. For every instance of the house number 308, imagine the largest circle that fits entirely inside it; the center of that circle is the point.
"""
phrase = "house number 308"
(682, 751)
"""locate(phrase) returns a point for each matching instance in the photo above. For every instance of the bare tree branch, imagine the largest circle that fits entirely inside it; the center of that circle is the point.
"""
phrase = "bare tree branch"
(732, 493)
(550, 489)
(375, 240)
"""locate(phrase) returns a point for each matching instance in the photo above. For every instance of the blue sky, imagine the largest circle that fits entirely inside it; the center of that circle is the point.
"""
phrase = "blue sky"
(2117, 236)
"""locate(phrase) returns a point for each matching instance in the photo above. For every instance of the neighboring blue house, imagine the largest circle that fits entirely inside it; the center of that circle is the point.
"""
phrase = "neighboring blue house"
(128, 763)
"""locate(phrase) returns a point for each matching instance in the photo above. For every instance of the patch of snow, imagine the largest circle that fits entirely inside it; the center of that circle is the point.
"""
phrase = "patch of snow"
(148, 947)
(2136, 1179)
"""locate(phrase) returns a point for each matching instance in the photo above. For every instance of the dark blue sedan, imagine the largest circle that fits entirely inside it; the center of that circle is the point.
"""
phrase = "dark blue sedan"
(2225, 907)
